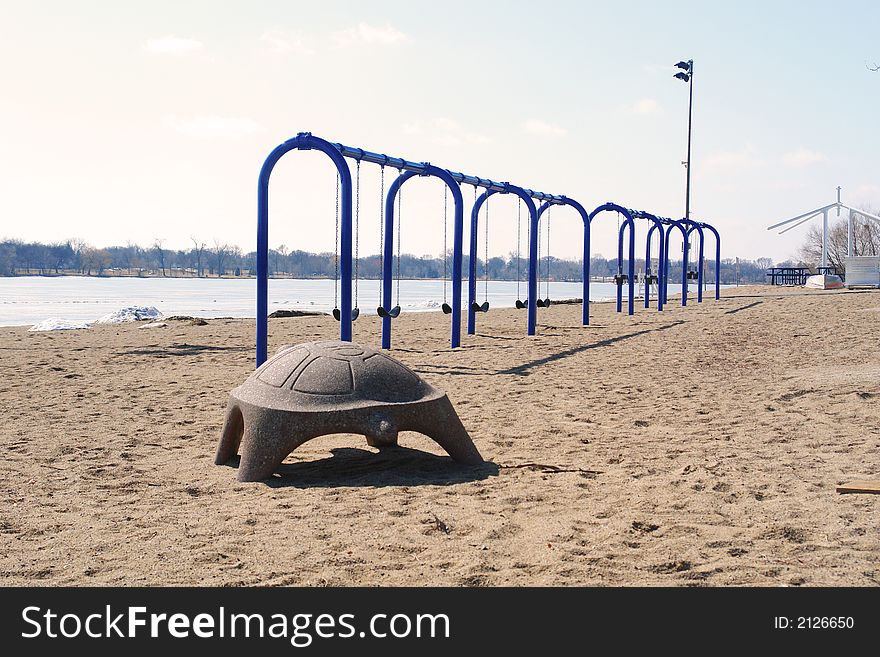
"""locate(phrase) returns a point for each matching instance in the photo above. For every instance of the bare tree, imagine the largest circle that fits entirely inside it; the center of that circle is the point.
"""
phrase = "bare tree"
(220, 251)
(281, 252)
(764, 263)
(160, 254)
(199, 250)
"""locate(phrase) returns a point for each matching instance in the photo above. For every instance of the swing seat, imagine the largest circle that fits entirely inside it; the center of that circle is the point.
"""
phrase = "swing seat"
(394, 312)
(446, 308)
(522, 304)
(543, 303)
(480, 308)
(621, 279)
(355, 313)
(651, 279)
(692, 275)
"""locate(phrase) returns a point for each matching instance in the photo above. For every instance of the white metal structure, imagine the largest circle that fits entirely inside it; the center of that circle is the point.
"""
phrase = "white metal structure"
(812, 214)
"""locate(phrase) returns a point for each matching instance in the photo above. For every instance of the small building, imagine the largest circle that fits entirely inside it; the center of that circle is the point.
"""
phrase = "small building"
(862, 271)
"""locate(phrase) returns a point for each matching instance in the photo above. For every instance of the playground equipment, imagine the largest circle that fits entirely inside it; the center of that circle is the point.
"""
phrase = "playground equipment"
(520, 304)
(531, 302)
(319, 388)
(446, 308)
(697, 274)
(346, 306)
(476, 306)
(629, 277)
(545, 302)
(651, 277)
(682, 227)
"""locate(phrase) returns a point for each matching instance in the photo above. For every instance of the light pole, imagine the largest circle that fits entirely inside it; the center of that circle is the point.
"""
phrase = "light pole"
(687, 75)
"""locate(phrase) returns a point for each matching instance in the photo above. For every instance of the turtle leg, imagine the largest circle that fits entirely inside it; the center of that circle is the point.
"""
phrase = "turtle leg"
(230, 437)
(441, 423)
(267, 441)
(382, 431)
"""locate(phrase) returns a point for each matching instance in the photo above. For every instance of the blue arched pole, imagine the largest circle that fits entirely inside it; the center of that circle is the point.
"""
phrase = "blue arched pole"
(657, 225)
(303, 141)
(631, 273)
(457, 246)
(696, 226)
(672, 223)
(628, 222)
(585, 268)
(533, 256)
(472, 260)
(711, 229)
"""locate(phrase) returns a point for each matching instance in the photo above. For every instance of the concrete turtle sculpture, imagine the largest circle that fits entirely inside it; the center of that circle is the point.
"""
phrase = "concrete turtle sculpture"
(319, 388)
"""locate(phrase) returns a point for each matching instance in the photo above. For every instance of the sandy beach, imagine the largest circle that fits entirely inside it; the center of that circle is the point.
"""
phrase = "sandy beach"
(697, 446)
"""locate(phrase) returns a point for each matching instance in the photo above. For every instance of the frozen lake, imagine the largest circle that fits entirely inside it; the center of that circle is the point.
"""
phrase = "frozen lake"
(26, 300)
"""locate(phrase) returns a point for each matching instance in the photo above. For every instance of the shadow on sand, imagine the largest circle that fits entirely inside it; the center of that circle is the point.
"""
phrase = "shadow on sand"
(523, 370)
(181, 350)
(393, 466)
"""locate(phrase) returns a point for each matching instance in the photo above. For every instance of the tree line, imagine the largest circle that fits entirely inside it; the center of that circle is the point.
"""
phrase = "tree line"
(219, 259)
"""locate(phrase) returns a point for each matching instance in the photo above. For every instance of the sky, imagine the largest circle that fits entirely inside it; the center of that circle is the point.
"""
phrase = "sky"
(138, 121)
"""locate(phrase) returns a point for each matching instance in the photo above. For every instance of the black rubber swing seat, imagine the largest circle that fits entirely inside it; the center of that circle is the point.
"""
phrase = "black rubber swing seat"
(355, 313)
(480, 308)
(522, 304)
(394, 312)
(621, 279)
(543, 303)
(446, 308)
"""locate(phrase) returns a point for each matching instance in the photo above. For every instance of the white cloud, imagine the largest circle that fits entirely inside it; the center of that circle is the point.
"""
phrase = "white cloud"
(645, 106)
(444, 131)
(475, 138)
(744, 158)
(172, 45)
(282, 42)
(802, 158)
(366, 34)
(210, 127)
(544, 129)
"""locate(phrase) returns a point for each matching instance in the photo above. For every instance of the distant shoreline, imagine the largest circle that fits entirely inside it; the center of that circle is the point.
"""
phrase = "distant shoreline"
(226, 277)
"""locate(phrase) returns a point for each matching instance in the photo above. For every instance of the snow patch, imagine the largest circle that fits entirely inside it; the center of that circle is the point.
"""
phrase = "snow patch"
(131, 314)
(55, 324)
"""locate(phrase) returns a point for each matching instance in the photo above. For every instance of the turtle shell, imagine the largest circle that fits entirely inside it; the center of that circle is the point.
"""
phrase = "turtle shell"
(332, 374)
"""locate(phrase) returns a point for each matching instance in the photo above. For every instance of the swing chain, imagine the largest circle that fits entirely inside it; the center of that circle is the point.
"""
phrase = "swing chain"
(336, 250)
(518, 243)
(381, 229)
(445, 256)
(486, 259)
(547, 279)
(399, 217)
(357, 220)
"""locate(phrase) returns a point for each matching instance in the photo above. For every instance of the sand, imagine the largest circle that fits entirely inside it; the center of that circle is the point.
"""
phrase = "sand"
(698, 446)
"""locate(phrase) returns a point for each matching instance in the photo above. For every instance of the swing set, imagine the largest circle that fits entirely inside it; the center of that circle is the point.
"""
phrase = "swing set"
(346, 308)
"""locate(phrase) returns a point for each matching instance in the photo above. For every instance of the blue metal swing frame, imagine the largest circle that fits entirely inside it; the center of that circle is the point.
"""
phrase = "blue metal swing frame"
(453, 180)
(682, 227)
(628, 223)
(656, 225)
